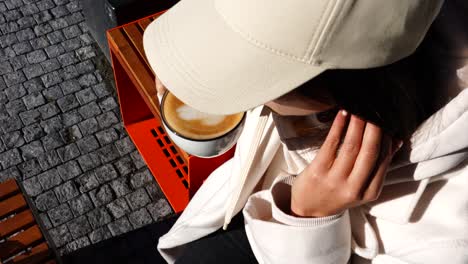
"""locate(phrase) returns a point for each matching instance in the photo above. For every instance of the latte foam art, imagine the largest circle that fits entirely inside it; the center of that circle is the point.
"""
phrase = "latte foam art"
(188, 113)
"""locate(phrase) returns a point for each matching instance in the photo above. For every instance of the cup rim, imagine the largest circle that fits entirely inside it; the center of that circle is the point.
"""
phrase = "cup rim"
(192, 139)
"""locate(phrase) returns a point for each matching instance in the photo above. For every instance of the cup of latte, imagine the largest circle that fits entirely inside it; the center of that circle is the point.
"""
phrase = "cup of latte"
(199, 134)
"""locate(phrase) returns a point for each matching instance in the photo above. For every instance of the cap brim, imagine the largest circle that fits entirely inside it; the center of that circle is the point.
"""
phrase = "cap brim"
(212, 68)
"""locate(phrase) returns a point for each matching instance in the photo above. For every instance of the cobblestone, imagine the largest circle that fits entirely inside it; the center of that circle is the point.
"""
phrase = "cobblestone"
(66, 191)
(10, 158)
(33, 132)
(125, 145)
(48, 160)
(76, 244)
(89, 161)
(45, 220)
(48, 110)
(13, 139)
(118, 208)
(52, 124)
(68, 152)
(71, 118)
(99, 217)
(138, 198)
(51, 79)
(11, 124)
(107, 136)
(108, 153)
(46, 201)
(125, 165)
(33, 71)
(60, 214)
(32, 186)
(67, 103)
(100, 234)
(52, 141)
(121, 186)
(140, 218)
(79, 227)
(34, 85)
(39, 43)
(27, 33)
(85, 96)
(55, 37)
(15, 92)
(101, 195)
(139, 179)
(87, 182)
(50, 65)
(89, 110)
(81, 205)
(30, 168)
(52, 93)
(32, 150)
(88, 126)
(33, 100)
(42, 17)
(120, 226)
(159, 209)
(36, 56)
(60, 235)
(49, 179)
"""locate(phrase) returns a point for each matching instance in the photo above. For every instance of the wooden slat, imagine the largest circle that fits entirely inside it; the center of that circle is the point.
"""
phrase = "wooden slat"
(15, 223)
(8, 188)
(20, 242)
(136, 37)
(38, 254)
(12, 204)
(144, 23)
(140, 75)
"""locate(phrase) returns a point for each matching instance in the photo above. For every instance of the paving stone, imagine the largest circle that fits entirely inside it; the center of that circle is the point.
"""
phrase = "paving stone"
(12, 15)
(141, 178)
(69, 72)
(39, 43)
(102, 195)
(42, 29)
(19, 62)
(9, 27)
(33, 71)
(54, 50)
(26, 22)
(60, 235)
(87, 144)
(71, 44)
(45, 220)
(159, 209)
(10, 124)
(30, 168)
(108, 153)
(74, 18)
(77, 244)
(48, 110)
(49, 179)
(3, 7)
(66, 191)
(15, 92)
(32, 186)
(33, 132)
(3, 100)
(140, 218)
(14, 107)
(45, 4)
(58, 23)
(87, 182)
(107, 136)
(55, 37)
(70, 86)
(33, 100)
(74, 6)
(52, 124)
(72, 31)
(69, 170)
(30, 117)
(121, 186)
(100, 234)
(86, 39)
(10, 158)
(81, 205)
(59, 11)
(120, 226)
(48, 160)
(34, 85)
(89, 110)
(85, 53)
(29, 9)
(118, 208)
(36, 56)
(138, 198)
(87, 80)
(50, 65)
(7, 53)
(8, 40)
(10, 173)
(52, 141)
(68, 102)
(22, 48)
(40, 18)
(89, 161)
(85, 67)
(107, 119)
(125, 165)
(67, 59)
(68, 152)
(25, 34)
(60, 214)
(32, 150)
(14, 78)
(85, 96)
(125, 145)
(5, 67)
(154, 191)
(51, 78)
(137, 159)
(52, 94)
(71, 118)
(88, 126)
(71, 134)
(99, 217)
(106, 173)
(46, 201)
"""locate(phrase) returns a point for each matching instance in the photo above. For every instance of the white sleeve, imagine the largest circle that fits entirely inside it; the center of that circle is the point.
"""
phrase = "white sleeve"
(276, 237)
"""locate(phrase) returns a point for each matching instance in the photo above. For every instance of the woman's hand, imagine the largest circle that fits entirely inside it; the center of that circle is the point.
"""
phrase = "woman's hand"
(338, 179)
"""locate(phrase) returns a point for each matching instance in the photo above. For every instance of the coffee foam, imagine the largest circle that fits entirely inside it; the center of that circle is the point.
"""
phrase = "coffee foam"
(188, 113)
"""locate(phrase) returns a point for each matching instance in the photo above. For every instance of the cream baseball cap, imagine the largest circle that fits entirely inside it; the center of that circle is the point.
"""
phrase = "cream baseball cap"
(228, 56)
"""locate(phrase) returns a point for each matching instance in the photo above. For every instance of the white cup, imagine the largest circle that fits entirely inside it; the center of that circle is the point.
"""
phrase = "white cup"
(204, 148)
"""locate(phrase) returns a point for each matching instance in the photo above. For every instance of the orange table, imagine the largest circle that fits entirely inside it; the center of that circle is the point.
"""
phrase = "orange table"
(178, 174)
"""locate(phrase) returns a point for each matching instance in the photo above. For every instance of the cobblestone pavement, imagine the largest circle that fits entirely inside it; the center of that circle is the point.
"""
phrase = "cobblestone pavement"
(61, 131)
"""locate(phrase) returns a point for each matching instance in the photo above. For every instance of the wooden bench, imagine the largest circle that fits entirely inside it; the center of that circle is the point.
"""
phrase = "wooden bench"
(21, 236)
(178, 174)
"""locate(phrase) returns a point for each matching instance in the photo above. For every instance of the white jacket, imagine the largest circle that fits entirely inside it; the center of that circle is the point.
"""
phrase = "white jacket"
(420, 217)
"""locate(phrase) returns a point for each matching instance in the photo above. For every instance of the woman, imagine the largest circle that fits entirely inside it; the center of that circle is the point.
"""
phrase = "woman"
(315, 189)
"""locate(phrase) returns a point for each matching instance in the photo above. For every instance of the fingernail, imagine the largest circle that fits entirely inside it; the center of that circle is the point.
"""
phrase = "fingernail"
(344, 113)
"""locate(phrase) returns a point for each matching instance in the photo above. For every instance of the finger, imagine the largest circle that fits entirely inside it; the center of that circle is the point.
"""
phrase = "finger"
(160, 88)
(374, 187)
(349, 150)
(327, 153)
(368, 155)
